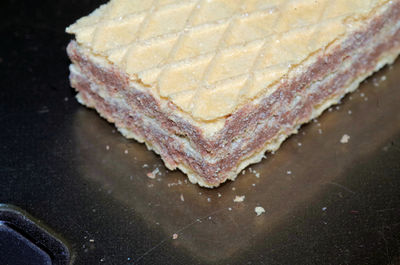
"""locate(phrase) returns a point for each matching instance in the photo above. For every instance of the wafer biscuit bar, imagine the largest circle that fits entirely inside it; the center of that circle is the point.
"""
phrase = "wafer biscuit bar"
(211, 85)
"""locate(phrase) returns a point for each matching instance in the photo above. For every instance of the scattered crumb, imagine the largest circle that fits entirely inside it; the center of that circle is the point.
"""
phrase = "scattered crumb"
(366, 98)
(273, 152)
(349, 112)
(219, 195)
(299, 144)
(174, 236)
(383, 78)
(107, 147)
(182, 199)
(259, 210)
(209, 218)
(362, 94)
(233, 188)
(257, 174)
(320, 131)
(91, 240)
(350, 97)
(66, 99)
(289, 172)
(315, 120)
(330, 109)
(345, 139)
(126, 152)
(131, 177)
(244, 171)
(337, 107)
(150, 185)
(375, 82)
(153, 174)
(324, 208)
(176, 184)
(209, 199)
(145, 165)
(229, 209)
(239, 198)
(251, 170)
(253, 184)
(150, 175)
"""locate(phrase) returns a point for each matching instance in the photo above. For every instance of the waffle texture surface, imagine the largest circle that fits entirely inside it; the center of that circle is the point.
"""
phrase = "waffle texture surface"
(209, 57)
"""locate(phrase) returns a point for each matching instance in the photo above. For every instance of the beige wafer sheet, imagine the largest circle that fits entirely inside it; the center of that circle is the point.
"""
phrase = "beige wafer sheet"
(211, 56)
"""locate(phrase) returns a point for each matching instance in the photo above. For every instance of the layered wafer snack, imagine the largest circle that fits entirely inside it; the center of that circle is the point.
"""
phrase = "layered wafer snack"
(211, 85)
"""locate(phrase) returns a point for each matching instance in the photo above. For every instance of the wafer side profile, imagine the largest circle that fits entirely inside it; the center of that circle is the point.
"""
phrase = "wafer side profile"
(212, 85)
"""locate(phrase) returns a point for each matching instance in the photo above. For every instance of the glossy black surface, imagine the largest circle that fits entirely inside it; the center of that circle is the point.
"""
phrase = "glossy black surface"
(326, 202)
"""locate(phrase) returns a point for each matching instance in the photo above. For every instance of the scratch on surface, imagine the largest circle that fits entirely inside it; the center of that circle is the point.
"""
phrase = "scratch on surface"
(385, 210)
(341, 186)
(233, 221)
(197, 220)
(382, 233)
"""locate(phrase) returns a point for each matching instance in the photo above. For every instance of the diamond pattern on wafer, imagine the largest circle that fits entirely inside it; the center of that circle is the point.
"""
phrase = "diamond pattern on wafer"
(211, 56)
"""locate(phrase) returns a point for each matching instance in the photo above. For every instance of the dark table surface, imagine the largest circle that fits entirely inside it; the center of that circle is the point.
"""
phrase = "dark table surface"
(326, 202)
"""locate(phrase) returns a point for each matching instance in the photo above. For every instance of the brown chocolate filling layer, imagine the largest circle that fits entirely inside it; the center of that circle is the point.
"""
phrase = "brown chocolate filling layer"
(248, 116)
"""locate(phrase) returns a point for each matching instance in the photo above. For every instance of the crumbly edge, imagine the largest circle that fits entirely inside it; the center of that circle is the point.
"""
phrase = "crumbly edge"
(271, 145)
(275, 142)
(209, 146)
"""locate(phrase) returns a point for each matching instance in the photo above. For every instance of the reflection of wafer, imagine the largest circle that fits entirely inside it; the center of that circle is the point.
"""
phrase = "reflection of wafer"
(211, 85)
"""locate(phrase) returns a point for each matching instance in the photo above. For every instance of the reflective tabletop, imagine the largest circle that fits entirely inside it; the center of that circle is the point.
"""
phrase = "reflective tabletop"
(326, 200)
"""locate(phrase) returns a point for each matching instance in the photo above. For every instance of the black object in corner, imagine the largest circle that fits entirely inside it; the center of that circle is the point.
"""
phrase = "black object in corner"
(23, 242)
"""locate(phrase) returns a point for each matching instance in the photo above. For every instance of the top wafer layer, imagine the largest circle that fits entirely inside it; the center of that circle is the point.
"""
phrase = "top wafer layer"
(211, 56)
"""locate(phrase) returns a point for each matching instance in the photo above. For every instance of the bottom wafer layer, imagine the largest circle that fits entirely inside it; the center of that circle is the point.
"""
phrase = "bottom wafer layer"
(222, 163)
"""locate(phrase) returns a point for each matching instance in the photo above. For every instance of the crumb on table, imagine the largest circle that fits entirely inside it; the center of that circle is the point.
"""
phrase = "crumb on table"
(345, 139)
(239, 198)
(153, 174)
(259, 210)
